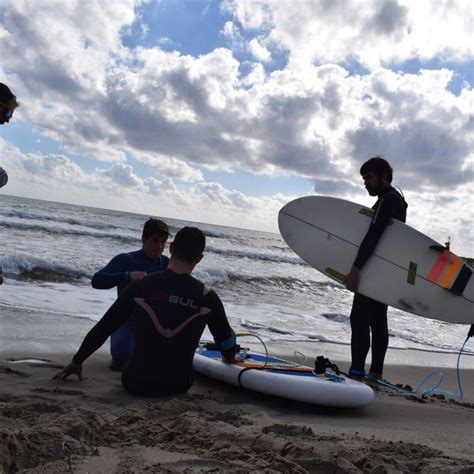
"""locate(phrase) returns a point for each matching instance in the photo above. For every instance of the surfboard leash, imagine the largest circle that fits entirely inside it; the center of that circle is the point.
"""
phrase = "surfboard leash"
(435, 387)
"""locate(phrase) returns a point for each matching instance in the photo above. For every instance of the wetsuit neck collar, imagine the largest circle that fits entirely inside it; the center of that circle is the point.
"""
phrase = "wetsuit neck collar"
(384, 191)
(144, 255)
(177, 273)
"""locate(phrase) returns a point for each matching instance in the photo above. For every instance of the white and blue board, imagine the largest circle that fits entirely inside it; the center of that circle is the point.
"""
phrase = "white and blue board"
(408, 270)
(285, 379)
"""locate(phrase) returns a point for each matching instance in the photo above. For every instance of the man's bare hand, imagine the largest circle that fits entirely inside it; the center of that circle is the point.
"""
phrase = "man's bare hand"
(71, 369)
(353, 279)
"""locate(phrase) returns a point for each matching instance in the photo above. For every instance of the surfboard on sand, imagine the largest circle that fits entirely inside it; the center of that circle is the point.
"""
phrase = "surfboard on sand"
(408, 270)
(282, 378)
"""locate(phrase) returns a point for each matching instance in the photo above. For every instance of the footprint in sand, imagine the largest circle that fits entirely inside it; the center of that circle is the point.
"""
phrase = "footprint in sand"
(289, 430)
(9, 370)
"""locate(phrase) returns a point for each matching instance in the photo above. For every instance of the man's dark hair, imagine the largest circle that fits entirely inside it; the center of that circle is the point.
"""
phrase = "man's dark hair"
(155, 226)
(189, 244)
(5, 93)
(378, 166)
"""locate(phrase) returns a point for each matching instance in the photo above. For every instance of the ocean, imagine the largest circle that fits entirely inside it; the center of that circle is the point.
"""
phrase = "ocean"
(49, 251)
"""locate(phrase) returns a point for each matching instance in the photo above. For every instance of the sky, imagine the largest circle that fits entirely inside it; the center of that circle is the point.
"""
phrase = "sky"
(223, 111)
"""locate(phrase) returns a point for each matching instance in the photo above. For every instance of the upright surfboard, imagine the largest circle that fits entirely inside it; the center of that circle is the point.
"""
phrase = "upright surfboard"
(285, 379)
(408, 270)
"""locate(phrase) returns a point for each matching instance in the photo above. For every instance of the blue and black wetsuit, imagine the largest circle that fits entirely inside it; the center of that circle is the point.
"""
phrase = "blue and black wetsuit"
(116, 273)
(368, 314)
(171, 312)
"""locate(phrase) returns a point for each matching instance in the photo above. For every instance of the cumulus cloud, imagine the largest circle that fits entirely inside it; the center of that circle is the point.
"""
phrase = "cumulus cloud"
(178, 114)
(259, 51)
(374, 32)
(122, 175)
(173, 111)
(170, 167)
(232, 32)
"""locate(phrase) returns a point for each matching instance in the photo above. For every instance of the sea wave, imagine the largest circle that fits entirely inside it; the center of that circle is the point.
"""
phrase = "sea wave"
(37, 268)
(233, 280)
(77, 232)
(38, 216)
(267, 257)
(76, 227)
(23, 266)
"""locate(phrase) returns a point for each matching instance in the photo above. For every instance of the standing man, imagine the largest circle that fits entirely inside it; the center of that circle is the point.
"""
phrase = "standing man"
(367, 314)
(171, 309)
(126, 268)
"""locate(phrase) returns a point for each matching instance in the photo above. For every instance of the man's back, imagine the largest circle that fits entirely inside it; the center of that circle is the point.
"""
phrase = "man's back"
(170, 320)
(170, 311)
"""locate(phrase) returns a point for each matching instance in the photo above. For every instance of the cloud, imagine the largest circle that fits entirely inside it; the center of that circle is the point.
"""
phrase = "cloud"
(426, 154)
(337, 188)
(233, 35)
(122, 175)
(63, 48)
(252, 15)
(57, 177)
(390, 18)
(374, 32)
(259, 51)
(177, 114)
(174, 111)
(170, 167)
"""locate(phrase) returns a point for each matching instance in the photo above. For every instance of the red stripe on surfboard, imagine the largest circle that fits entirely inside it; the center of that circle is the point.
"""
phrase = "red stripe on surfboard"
(438, 266)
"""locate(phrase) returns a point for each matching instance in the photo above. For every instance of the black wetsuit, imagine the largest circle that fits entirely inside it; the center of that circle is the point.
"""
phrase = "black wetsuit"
(368, 314)
(170, 313)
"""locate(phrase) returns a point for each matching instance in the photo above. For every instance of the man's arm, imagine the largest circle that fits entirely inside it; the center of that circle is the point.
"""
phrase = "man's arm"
(115, 316)
(219, 326)
(381, 220)
(114, 273)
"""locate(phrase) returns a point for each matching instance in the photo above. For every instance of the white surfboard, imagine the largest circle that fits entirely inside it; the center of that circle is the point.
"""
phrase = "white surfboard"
(285, 379)
(408, 270)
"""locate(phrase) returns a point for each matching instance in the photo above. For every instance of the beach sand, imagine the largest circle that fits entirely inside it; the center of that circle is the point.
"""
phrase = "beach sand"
(95, 426)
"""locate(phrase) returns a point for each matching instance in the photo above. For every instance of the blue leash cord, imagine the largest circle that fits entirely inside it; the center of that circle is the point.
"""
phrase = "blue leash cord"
(435, 388)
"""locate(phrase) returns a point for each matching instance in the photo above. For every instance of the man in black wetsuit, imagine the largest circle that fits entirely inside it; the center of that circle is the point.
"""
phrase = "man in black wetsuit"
(171, 309)
(367, 314)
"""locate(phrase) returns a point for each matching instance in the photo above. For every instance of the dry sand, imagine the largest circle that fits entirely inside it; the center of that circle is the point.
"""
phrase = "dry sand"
(95, 426)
